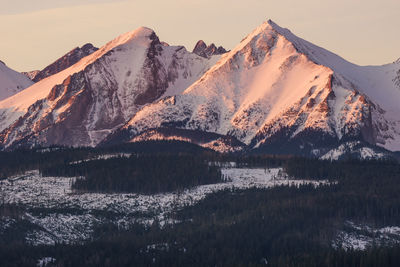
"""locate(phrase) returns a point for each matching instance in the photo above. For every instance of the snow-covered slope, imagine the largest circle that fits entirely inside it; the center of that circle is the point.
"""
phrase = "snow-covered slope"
(279, 93)
(11, 82)
(379, 84)
(82, 104)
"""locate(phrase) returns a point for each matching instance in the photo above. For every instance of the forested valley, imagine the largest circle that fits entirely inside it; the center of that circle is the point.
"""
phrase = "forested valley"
(278, 226)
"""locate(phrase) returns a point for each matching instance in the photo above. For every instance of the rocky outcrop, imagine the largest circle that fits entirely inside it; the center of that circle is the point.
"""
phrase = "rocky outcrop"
(203, 50)
(31, 74)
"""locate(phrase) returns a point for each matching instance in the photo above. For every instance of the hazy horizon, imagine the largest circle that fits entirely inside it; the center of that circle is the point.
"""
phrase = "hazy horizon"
(36, 34)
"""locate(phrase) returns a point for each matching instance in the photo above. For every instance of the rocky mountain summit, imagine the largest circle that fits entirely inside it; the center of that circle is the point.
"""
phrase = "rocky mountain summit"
(81, 105)
(278, 93)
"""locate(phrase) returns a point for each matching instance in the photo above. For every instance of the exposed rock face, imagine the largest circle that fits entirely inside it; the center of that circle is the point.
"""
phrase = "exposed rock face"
(64, 62)
(396, 80)
(199, 47)
(203, 50)
(31, 74)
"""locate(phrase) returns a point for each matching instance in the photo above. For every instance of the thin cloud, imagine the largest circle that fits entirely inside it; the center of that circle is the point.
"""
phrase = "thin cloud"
(27, 6)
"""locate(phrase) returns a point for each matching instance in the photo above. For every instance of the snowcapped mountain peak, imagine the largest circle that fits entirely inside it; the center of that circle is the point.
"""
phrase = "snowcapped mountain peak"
(364, 79)
(272, 25)
(266, 28)
(141, 37)
(315, 53)
(247, 88)
(139, 33)
(100, 92)
(275, 89)
(137, 42)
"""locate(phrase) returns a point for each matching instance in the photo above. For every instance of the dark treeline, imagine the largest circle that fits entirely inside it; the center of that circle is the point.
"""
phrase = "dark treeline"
(157, 147)
(304, 168)
(146, 174)
(19, 161)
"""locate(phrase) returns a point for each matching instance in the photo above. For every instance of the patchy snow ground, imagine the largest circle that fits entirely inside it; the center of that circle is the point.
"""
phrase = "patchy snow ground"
(64, 216)
(355, 148)
(361, 237)
(104, 156)
(45, 261)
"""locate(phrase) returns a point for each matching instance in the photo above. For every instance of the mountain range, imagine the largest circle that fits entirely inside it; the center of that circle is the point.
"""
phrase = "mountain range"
(273, 93)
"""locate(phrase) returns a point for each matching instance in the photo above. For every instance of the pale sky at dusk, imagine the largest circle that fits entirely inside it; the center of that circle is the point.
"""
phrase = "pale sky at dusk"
(35, 33)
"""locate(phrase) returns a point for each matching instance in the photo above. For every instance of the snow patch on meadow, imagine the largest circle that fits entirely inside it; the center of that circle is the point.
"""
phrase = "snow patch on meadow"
(65, 216)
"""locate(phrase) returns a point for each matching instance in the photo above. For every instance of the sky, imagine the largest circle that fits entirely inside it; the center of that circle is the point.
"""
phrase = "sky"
(35, 33)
